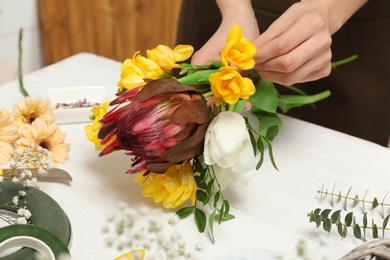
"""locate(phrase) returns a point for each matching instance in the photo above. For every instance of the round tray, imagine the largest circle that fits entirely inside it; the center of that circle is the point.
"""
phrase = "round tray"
(46, 214)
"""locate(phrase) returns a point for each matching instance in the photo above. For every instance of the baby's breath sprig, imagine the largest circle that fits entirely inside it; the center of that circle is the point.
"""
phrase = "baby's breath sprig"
(327, 220)
(33, 162)
(26, 167)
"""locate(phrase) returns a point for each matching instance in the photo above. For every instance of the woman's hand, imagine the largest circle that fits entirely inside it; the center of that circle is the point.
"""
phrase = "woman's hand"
(233, 12)
(297, 46)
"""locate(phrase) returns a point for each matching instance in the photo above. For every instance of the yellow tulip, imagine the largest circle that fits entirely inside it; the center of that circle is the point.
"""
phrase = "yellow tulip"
(228, 85)
(238, 50)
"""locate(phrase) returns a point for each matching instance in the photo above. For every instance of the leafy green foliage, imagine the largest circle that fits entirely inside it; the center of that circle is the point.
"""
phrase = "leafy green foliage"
(348, 220)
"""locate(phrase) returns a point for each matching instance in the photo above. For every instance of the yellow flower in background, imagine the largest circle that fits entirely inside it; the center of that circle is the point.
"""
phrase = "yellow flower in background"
(149, 67)
(8, 134)
(135, 70)
(238, 50)
(172, 188)
(167, 58)
(28, 109)
(92, 130)
(228, 85)
(47, 135)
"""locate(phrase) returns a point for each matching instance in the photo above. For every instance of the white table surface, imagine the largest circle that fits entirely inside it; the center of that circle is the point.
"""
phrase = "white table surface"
(270, 212)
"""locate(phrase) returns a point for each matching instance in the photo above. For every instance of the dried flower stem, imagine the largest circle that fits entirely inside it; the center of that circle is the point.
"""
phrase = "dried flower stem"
(20, 72)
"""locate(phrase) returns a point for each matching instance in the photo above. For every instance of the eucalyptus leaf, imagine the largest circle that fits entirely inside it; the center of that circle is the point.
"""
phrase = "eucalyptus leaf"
(318, 221)
(348, 219)
(375, 203)
(355, 201)
(375, 231)
(325, 214)
(357, 231)
(365, 220)
(342, 230)
(327, 225)
(336, 216)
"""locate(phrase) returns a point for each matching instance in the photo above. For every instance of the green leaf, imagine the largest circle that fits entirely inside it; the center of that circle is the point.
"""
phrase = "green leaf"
(200, 219)
(260, 146)
(265, 97)
(365, 220)
(317, 211)
(342, 230)
(375, 231)
(325, 214)
(357, 232)
(272, 131)
(239, 106)
(336, 216)
(287, 102)
(375, 203)
(348, 219)
(318, 221)
(184, 212)
(327, 225)
(201, 195)
(198, 78)
(225, 208)
(384, 225)
(266, 120)
(228, 217)
(355, 201)
(216, 197)
(271, 156)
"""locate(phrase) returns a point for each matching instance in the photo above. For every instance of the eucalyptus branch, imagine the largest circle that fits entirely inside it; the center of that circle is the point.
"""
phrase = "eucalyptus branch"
(20, 72)
(321, 217)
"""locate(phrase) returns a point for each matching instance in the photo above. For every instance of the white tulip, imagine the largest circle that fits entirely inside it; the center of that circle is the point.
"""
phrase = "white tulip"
(229, 150)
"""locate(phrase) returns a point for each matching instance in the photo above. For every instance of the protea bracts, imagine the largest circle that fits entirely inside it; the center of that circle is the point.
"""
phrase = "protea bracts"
(160, 124)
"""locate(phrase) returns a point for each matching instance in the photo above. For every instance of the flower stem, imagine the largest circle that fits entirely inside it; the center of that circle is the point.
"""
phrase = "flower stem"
(20, 73)
(343, 61)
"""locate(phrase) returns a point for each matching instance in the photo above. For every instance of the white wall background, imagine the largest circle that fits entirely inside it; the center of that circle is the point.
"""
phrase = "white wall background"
(16, 14)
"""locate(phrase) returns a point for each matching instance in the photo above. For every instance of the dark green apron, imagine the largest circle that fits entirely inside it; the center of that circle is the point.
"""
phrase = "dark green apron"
(360, 100)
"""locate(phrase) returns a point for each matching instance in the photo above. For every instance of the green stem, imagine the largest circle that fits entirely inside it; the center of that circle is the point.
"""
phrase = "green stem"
(343, 61)
(20, 73)
(350, 198)
(208, 94)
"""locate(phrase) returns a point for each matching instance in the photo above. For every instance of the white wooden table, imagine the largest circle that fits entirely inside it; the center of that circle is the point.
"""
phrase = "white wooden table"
(270, 212)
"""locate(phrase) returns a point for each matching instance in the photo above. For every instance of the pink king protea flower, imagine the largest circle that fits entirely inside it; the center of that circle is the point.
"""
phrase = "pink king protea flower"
(160, 125)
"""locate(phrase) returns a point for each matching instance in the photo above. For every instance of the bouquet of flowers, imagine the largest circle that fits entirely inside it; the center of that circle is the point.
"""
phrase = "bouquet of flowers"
(189, 137)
